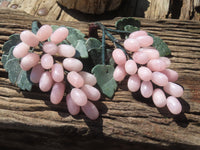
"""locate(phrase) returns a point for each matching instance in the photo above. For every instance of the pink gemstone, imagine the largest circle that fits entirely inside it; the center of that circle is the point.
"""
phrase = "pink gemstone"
(152, 53)
(156, 65)
(140, 57)
(66, 50)
(131, 44)
(174, 105)
(145, 40)
(144, 73)
(79, 97)
(146, 89)
(119, 56)
(137, 34)
(29, 61)
(59, 35)
(57, 72)
(166, 61)
(29, 38)
(119, 73)
(21, 50)
(57, 93)
(159, 78)
(45, 82)
(72, 107)
(50, 48)
(75, 79)
(90, 110)
(171, 74)
(88, 78)
(133, 83)
(47, 61)
(72, 64)
(44, 33)
(173, 89)
(91, 92)
(36, 73)
(131, 67)
(159, 98)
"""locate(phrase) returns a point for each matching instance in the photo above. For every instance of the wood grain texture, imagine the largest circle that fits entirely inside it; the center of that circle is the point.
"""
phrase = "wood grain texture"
(29, 121)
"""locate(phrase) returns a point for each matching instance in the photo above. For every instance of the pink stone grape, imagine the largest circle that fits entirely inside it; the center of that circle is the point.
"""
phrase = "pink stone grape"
(90, 111)
(59, 35)
(144, 73)
(88, 78)
(156, 65)
(75, 79)
(72, 64)
(159, 78)
(91, 92)
(130, 67)
(166, 61)
(45, 82)
(146, 89)
(133, 83)
(171, 74)
(57, 72)
(140, 57)
(119, 56)
(152, 53)
(21, 50)
(29, 38)
(44, 33)
(66, 50)
(137, 34)
(131, 45)
(145, 40)
(79, 97)
(57, 93)
(71, 105)
(47, 61)
(174, 105)
(119, 73)
(29, 61)
(159, 98)
(36, 73)
(173, 89)
(50, 48)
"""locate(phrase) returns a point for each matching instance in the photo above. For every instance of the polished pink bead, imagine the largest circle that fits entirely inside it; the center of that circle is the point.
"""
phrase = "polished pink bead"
(171, 74)
(133, 83)
(174, 105)
(131, 45)
(119, 73)
(137, 34)
(57, 72)
(57, 93)
(145, 40)
(146, 89)
(159, 98)
(21, 50)
(78, 96)
(130, 67)
(91, 92)
(119, 56)
(90, 110)
(75, 79)
(36, 73)
(44, 33)
(29, 38)
(173, 89)
(159, 78)
(73, 108)
(45, 82)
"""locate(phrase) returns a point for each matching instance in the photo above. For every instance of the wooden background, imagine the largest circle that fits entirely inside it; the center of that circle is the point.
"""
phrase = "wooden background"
(29, 121)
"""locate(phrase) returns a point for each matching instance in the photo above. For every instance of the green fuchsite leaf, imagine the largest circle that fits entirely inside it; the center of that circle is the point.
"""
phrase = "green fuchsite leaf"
(160, 45)
(104, 75)
(81, 48)
(131, 28)
(11, 64)
(120, 24)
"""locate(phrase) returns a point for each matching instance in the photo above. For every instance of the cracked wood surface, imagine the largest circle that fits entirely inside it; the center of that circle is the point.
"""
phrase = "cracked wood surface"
(29, 121)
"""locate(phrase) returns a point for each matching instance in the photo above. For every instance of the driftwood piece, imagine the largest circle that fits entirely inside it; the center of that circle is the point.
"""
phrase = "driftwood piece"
(29, 121)
(152, 9)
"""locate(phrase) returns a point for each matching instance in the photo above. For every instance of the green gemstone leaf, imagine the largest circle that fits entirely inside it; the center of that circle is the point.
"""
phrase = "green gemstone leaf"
(93, 43)
(120, 24)
(160, 45)
(81, 49)
(35, 26)
(105, 80)
(11, 64)
(131, 28)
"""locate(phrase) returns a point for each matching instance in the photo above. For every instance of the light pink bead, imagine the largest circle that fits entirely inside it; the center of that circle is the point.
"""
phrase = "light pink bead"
(45, 82)
(90, 110)
(133, 83)
(50, 48)
(137, 34)
(78, 96)
(131, 67)
(72, 64)
(21, 50)
(88, 78)
(174, 105)
(145, 40)
(91, 92)
(146, 89)
(131, 44)
(152, 53)
(59, 35)
(173, 89)
(44, 33)
(119, 56)
(140, 58)
(159, 98)
(171, 74)
(36, 73)
(159, 78)
(47, 61)
(57, 72)
(29, 38)
(119, 73)
(166, 61)
(156, 65)
(72, 107)
(75, 79)
(29, 61)
(66, 50)
(144, 73)
(57, 93)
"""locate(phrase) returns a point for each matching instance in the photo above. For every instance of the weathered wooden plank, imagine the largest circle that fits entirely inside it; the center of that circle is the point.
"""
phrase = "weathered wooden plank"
(127, 120)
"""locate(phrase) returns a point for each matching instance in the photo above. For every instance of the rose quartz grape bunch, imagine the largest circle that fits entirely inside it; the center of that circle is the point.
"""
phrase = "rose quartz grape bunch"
(146, 70)
(51, 75)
